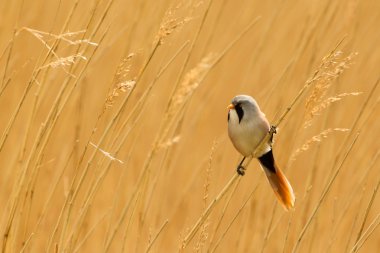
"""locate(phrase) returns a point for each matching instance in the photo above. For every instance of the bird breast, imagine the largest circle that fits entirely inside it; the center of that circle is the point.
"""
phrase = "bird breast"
(246, 135)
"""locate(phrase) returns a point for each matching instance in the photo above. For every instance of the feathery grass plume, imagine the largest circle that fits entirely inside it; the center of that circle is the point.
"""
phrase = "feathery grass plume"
(316, 138)
(169, 142)
(64, 36)
(326, 103)
(122, 80)
(65, 61)
(170, 23)
(332, 66)
(45, 37)
(190, 83)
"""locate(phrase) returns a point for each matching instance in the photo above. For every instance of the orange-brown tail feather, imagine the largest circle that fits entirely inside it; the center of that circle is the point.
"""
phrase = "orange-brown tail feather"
(278, 181)
(281, 187)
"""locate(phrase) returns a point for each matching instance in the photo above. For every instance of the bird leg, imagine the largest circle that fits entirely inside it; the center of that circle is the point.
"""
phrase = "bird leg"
(240, 168)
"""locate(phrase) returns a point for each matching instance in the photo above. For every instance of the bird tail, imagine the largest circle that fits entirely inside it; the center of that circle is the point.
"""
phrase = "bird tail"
(281, 186)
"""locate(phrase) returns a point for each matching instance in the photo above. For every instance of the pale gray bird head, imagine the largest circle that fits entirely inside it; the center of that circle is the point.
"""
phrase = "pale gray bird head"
(246, 107)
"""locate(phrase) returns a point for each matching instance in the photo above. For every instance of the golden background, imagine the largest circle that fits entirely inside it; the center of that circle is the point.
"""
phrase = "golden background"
(114, 125)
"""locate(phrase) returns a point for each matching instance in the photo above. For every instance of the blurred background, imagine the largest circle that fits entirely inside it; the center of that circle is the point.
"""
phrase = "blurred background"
(114, 125)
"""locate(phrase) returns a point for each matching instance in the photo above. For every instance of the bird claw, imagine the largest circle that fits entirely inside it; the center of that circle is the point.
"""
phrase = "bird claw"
(240, 170)
(272, 131)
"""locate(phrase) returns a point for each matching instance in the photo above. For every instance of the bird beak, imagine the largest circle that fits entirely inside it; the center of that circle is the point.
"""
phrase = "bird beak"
(231, 106)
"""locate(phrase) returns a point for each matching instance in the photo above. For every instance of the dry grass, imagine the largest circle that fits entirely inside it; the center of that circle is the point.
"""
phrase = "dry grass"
(113, 125)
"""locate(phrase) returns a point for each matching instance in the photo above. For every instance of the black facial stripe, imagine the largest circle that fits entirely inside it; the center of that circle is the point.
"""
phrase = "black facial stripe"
(239, 111)
(267, 161)
(228, 119)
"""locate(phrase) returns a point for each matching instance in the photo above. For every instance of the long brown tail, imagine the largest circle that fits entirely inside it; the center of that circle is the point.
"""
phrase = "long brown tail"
(278, 181)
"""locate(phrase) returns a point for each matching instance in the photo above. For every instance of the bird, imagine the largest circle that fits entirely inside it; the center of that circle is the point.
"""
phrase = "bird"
(247, 127)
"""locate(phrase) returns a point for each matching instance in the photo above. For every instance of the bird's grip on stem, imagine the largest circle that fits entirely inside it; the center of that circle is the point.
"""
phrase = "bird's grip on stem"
(272, 131)
(240, 168)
